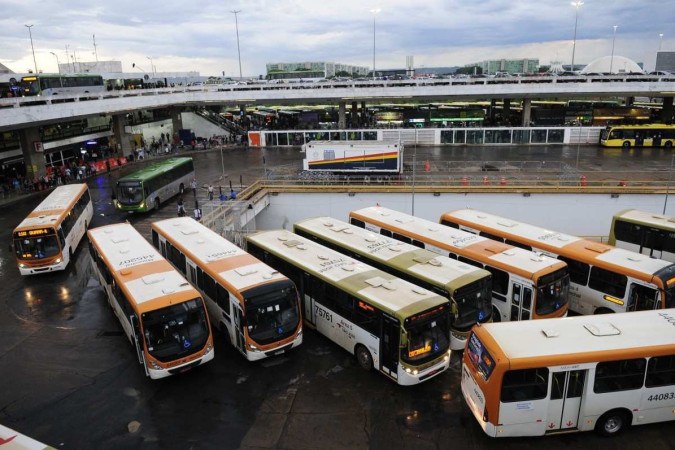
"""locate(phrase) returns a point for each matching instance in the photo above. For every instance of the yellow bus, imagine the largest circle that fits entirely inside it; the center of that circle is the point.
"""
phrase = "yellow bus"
(253, 305)
(525, 285)
(644, 232)
(603, 279)
(601, 373)
(627, 136)
(46, 240)
(399, 329)
(466, 287)
(163, 316)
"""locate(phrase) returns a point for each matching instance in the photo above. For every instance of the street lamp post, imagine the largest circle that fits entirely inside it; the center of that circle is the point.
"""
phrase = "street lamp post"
(374, 11)
(413, 174)
(31, 46)
(657, 53)
(59, 67)
(152, 66)
(236, 25)
(577, 5)
(611, 63)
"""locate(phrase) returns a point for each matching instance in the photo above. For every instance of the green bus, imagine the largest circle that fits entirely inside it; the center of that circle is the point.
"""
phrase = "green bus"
(155, 183)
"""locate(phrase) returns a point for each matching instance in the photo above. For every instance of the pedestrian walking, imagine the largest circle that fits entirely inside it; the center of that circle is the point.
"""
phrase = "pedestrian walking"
(197, 212)
(210, 190)
(181, 207)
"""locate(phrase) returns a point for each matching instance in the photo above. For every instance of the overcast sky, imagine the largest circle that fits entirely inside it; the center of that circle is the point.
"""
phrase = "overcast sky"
(183, 35)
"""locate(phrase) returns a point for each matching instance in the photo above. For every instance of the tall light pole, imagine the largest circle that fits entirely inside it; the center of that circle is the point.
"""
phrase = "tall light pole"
(236, 26)
(374, 11)
(611, 63)
(152, 66)
(59, 67)
(413, 177)
(657, 53)
(31, 46)
(577, 5)
(670, 178)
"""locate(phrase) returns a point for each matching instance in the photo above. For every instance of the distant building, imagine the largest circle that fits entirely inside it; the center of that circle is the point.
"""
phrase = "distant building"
(91, 67)
(492, 66)
(4, 69)
(665, 61)
(276, 71)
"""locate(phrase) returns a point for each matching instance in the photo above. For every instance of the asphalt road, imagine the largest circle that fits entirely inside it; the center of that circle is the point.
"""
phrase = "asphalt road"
(70, 378)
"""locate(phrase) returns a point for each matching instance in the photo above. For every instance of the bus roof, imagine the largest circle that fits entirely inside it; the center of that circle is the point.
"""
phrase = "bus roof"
(425, 264)
(390, 294)
(497, 254)
(223, 260)
(647, 218)
(154, 168)
(357, 144)
(602, 255)
(601, 335)
(150, 281)
(52, 209)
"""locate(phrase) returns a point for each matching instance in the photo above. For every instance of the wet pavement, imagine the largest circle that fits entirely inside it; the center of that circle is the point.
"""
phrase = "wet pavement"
(70, 378)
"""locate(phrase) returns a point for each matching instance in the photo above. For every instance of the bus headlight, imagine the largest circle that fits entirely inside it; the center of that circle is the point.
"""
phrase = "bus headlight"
(415, 372)
(253, 348)
(22, 265)
(155, 366)
(209, 347)
(58, 261)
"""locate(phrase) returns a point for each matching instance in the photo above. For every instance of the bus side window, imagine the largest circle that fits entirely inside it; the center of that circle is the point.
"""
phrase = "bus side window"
(525, 384)
(660, 371)
(578, 271)
(614, 376)
(642, 298)
(357, 222)
(608, 282)
(384, 232)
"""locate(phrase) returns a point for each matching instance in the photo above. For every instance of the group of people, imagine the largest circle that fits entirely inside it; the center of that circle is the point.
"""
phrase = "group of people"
(196, 213)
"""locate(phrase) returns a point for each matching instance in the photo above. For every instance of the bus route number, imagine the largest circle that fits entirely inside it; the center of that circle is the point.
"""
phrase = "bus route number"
(323, 313)
(659, 397)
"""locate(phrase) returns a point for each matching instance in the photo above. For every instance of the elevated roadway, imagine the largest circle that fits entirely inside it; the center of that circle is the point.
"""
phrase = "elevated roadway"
(25, 112)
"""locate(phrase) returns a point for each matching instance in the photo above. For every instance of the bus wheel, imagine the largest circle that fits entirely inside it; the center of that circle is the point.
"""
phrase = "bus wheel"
(612, 422)
(156, 202)
(603, 311)
(363, 357)
(668, 144)
(626, 144)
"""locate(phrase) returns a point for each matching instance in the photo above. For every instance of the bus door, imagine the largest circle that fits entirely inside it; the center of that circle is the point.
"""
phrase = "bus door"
(138, 341)
(564, 403)
(307, 301)
(643, 298)
(389, 345)
(239, 329)
(521, 302)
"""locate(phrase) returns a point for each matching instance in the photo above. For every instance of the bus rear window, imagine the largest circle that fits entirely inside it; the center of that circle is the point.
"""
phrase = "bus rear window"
(480, 357)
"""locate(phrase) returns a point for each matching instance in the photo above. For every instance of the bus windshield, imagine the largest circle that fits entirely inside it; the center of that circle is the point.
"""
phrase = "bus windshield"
(129, 192)
(552, 292)
(272, 315)
(428, 336)
(482, 361)
(176, 331)
(37, 247)
(474, 304)
(31, 87)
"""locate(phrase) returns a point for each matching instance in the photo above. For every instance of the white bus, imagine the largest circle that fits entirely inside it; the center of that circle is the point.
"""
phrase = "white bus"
(253, 305)
(525, 285)
(163, 316)
(46, 240)
(367, 157)
(580, 373)
(644, 232)
(467, 288)
(400, 329)
(603, 279)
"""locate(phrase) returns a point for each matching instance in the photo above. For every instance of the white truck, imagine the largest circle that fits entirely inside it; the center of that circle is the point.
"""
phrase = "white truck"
(369, 157)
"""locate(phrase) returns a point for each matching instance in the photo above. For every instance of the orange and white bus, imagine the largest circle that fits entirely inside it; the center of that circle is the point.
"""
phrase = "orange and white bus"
(254, 306)
(46, 240)
(603, 279)
(525, 285)
(163, 316)
(580, 373)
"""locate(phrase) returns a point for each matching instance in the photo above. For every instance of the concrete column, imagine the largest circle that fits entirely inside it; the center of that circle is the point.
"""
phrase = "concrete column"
(355, 114)
(506, 111)
(630, 101)
(493, 105)
(123, 139)
(176, 119)
(667, 110)
(342, 115)
(527, 112)
(364, 114)
(33, 153)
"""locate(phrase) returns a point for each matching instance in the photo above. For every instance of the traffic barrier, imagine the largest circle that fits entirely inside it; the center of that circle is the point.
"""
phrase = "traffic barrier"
(502, 181)
(465, 181)
(582, 181)
(427, 166)
(486, 181)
